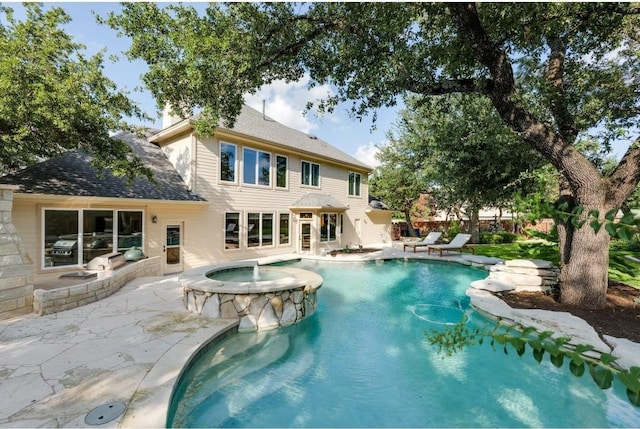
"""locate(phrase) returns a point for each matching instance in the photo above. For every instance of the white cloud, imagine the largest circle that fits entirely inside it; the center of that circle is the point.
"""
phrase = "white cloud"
(286, 102)
(367, 154)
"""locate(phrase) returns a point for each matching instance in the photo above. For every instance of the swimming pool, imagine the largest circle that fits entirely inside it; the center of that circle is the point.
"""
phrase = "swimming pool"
(363, 361)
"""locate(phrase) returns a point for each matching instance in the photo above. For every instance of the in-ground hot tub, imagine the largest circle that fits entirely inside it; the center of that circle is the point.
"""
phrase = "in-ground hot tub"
(261, 297)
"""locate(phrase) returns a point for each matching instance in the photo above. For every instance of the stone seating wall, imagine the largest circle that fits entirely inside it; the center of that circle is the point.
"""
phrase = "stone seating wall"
(107, 283)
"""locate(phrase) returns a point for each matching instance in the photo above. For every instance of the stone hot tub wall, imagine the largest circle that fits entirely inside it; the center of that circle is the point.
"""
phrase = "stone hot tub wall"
(258, 305)
(256, 311)
(16, 268)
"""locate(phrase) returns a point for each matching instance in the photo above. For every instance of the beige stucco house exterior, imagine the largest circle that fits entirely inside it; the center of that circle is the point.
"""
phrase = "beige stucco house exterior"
(257, 189)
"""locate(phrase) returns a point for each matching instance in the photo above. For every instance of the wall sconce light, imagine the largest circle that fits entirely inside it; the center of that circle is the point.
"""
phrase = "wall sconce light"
(154, 219)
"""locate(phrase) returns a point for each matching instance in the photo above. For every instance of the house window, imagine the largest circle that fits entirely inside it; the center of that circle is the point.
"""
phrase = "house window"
(259, 229)
(354, 184)
(310, 174)
(231, 231)
(284, 228)
(75, 237)
(281, 171)
(257, 167)
(328, 222)
(227, 162)
(129, 230)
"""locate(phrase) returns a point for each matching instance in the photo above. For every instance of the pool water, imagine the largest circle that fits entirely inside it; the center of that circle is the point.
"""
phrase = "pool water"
(363, 361)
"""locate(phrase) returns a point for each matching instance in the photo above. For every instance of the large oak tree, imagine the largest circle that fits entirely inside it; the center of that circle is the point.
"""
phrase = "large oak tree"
(553, 72)
(54, 98)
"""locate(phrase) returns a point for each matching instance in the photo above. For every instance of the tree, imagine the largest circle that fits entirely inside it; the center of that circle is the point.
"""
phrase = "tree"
(469, 159)
(54, 99)
(553, 72)
(398, 180)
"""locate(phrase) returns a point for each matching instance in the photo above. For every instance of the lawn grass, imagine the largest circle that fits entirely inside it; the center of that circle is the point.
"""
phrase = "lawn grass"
(621, 269)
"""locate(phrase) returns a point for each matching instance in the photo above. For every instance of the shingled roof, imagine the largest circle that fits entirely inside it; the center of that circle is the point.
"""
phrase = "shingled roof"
(253, 123)
(72, 174)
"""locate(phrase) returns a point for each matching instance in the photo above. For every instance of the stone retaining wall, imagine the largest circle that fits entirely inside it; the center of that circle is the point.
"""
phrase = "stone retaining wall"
(107, 283)
(520, 275)
(16, 269)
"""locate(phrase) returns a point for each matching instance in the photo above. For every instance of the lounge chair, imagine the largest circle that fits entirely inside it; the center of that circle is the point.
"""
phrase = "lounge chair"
(458, 242)
(430, 239)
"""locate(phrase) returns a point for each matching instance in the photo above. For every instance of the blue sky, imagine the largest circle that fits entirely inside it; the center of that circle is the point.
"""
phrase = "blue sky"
(284, 102)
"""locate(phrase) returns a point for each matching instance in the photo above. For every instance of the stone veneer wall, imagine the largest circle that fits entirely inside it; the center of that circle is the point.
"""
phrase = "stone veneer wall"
(107, 283)
(16, 268)
(256, 311)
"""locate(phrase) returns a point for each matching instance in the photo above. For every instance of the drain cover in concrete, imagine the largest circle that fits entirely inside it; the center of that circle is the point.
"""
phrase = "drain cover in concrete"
(105, 413)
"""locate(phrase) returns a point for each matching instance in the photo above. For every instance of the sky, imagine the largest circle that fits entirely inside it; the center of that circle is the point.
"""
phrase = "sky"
(283, 102)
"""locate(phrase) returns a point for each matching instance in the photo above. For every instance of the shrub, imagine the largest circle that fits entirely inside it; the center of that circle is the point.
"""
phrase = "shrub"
(499, 237)
(454, 229)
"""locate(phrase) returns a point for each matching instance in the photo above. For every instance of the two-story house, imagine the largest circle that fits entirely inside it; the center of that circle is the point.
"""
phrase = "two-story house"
(256, 189)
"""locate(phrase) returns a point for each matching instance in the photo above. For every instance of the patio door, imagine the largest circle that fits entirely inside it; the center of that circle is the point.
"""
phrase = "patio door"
(172, 248)
(305, 237)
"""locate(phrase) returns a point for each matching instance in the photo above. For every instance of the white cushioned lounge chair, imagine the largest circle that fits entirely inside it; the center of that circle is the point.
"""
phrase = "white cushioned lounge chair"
(458, 242)
(429, 240)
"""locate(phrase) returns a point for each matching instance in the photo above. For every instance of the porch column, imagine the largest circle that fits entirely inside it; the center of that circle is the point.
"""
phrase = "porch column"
(16, 269)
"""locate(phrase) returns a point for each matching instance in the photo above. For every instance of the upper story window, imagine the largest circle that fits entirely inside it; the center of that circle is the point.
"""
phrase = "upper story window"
(282, 172)
(354, 184)
(228, 161)
(257, 167)
(310, 174)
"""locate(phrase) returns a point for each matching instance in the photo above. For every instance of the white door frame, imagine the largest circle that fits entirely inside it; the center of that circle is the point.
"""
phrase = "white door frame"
(301, 238)
(171, 249)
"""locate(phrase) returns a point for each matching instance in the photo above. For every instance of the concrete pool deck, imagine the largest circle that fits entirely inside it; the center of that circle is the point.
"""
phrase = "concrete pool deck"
(129, 347)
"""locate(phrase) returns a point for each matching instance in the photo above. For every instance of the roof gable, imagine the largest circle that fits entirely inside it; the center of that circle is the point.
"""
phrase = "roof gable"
(254, 124)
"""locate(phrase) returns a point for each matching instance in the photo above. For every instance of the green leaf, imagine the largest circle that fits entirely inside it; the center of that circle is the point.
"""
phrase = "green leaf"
(538, 354)
(630, 380)
(625, 233)
(595, 225)
(611, 215)
(607, 358)
(577, 368)
(557, 359)
(610, 228)
(634, 397)
(583, 348)
(544, 335)
(602, 376)
(518, 344)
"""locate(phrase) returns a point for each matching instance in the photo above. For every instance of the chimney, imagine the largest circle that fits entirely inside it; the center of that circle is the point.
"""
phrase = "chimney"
(168, 118)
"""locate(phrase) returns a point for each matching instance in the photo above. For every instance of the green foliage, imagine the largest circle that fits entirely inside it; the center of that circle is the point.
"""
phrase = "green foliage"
(54, 99)
(551, 236)
(498, 237)
(516, 338)
(454, 229)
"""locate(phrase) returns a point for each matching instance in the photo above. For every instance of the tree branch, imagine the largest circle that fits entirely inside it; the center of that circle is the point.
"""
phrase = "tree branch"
(466, 86)
(555, 77)
(626, 175)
